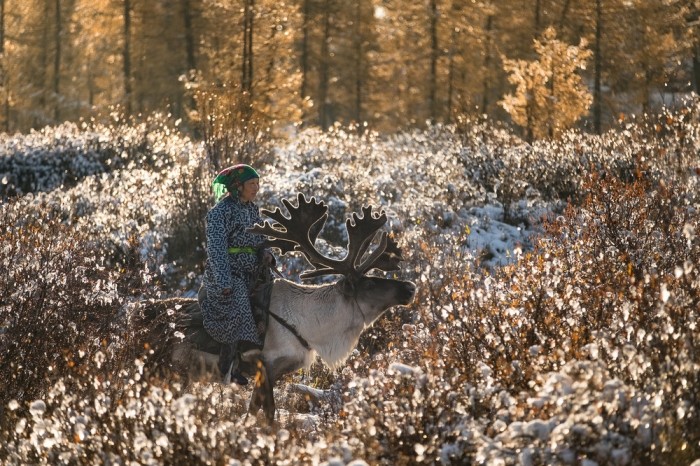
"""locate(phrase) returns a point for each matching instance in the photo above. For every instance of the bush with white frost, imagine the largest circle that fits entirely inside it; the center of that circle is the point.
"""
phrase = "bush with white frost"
(555, 320)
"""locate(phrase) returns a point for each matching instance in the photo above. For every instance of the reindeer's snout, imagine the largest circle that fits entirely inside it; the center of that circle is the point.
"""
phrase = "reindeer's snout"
(406, 292)
(383, 293)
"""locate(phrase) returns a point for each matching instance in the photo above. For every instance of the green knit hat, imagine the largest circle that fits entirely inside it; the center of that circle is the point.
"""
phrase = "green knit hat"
(229, 179)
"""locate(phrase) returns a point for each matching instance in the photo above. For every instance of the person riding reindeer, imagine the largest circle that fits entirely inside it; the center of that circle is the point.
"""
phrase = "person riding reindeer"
(234, 255)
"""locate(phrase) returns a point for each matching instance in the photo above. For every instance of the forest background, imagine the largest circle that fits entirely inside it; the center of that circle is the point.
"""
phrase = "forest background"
(382, 64)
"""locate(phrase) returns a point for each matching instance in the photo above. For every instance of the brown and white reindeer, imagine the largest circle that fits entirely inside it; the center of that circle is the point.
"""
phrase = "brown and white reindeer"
(325, 320)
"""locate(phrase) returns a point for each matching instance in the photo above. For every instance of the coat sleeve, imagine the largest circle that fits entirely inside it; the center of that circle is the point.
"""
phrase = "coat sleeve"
(217, 248)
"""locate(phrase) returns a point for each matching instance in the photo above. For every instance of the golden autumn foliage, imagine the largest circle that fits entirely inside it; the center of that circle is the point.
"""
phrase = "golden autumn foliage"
(384, 65)
(550, 95)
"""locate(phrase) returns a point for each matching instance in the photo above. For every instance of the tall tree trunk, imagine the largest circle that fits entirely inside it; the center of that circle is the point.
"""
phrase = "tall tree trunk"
(646, 98)
(451, 75)
(190, 54)
(564, 13)
(91, 84)
(4, 82)
(530, 136)
(126, 54)
(247, 67)
(191, 61)
(597, 93)
(306, 20)
(487, 66)
(58, 30)
(358, 64)
(551, 117)
(324, 70)
(43, 78)
(696, 67)
(434, 55)
(538, 17)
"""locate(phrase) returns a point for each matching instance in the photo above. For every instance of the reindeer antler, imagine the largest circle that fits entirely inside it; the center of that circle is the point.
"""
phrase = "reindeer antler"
(299, 231)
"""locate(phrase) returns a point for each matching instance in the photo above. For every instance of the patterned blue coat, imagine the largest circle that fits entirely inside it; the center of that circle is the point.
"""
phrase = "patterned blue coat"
(229, 319)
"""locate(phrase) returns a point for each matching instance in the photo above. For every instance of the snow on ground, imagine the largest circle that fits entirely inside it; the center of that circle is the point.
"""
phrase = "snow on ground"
(415, 181)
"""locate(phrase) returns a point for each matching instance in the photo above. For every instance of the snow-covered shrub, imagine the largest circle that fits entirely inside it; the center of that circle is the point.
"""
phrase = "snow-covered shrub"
(663, 146)
(63, 155)
(614, 281)
(573, 348)
(84, 419)
(190, 198)
(406, 416)
(60, 298)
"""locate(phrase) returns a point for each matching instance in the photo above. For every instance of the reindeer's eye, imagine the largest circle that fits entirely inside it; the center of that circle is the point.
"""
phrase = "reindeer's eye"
(369, 284)
(366, 285)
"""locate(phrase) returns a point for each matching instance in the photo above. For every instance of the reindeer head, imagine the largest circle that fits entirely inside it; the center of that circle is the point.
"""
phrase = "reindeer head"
(299, 231)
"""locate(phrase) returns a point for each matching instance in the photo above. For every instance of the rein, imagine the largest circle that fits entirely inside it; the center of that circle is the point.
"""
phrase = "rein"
(292, 330)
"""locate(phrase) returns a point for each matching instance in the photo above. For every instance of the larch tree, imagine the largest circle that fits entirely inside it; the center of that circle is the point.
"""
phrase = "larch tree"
(692, 28)
(277, 74)
(90, 68)
(636, 46)
(473, 35)
(363, 41)
(188, 21)
(390, 63)
(126, 55)
(268, 61)
(348, 56)
(468, 71)
(550, 95)
(4, 94)
(57, 39)
(325, 116)
(247, 51)
(488, 59)
(161, 57)
(434, 57)
(693, 25)
(401, 63)
(658, 45)
(20, 63)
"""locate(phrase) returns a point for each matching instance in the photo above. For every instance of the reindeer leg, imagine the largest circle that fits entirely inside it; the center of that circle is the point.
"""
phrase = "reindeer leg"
(263, 396)
(257, 398)
(268, 397)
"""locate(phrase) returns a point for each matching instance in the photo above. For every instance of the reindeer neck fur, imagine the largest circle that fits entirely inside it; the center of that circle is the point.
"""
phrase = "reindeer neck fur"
(323, 315)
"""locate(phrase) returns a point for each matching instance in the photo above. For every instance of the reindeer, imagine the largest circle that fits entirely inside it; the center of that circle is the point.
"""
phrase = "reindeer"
(325, 320)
